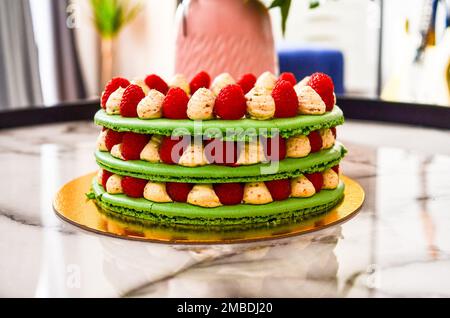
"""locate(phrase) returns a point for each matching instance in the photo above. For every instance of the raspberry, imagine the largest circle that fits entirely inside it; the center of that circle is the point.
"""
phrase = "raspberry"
(175, 104)
(105, 176)
(229, 193)
(131, 97)
(333, 131)
(111, 87)
(315, 140)
(272, 153)
(279, 189)
(178, 192)
(230, 103)
(323, 85)
(286, 100)
(316, 179)
(202, 79)
(166, 149)
(289, 77)
(335, 169)
(132, 145)
(155, 82)
(246, 82)
(221, 152)
(133, 187)
(112, 138)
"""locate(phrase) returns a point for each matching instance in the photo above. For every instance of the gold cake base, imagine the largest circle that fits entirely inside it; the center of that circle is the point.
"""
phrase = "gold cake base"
(72, 205)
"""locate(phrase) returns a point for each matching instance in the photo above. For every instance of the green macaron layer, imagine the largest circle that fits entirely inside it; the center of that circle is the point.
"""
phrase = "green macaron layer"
(244, 129)
(160, 172)
(184, 213)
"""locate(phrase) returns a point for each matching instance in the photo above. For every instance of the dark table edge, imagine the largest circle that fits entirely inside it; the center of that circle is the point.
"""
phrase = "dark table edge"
(354, 108)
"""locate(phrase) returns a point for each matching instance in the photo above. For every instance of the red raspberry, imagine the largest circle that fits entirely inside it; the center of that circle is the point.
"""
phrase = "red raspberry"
(202, 79)
(333, 131)
(323, 85)
(112, 138)
(316, 179)
(105, 176)
(175, 104)
(269, 145)
(166, 149)
(286, 100)
(229, 193)
(178, 192)
(336, 169)
(230, 103)
(288, 76)
(133, 187)
(132, 145)
(131, 97)
(221, 152)
(111, 87)
(315, 140)
(246, 82)
(155, 82)
(279, 189)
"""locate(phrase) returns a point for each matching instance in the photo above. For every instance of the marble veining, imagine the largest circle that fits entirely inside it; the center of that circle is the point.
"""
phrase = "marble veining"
(398, 245)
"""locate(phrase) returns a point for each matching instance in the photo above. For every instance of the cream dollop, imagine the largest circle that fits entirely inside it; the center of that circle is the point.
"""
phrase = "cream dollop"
(141, 83)
(179, 80)
(193, 156)
(303, 82)
(327, 138)
(150, 152)
(203, 195)
(101, 141)
(256, 193)
(150, 106)
(260, 103)
(251, 153)
(100, 176)
(114, 184)
(156, 192)
(330, 179)
(201, 104)
(116, 151)
(113, 102)
(301, 187)
(298, 146)
(309, 102)
(221, 81)
(266, 80)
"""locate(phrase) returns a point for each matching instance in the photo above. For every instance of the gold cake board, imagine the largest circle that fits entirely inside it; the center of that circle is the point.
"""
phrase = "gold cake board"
(72, 205)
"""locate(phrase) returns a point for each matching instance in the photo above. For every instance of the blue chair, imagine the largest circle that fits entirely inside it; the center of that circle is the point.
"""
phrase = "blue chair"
(303, 61)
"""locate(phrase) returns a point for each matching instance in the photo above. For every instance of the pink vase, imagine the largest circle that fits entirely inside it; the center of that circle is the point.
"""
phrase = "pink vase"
(233, 36)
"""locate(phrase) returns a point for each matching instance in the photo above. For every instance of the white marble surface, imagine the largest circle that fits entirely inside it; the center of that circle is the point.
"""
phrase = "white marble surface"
(398, 245)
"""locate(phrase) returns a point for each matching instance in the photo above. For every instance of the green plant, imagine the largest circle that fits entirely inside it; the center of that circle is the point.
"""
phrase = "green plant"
(285, 6)
(110, 16)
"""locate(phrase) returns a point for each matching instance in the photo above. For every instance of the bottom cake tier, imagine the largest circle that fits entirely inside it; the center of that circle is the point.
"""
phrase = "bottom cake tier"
(278, 212)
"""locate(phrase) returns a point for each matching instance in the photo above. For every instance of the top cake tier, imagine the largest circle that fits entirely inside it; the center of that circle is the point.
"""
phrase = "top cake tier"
(249, 100)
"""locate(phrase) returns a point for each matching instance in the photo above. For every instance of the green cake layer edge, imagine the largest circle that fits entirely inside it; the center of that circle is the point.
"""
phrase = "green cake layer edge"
(277, 212)
(287, 127)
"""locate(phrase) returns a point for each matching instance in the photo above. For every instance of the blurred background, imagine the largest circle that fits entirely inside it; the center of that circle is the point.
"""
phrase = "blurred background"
(54, 51)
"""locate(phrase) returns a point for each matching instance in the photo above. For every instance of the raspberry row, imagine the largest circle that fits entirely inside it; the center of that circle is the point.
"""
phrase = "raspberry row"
(261, 98)
(214, 195)
(189, 152)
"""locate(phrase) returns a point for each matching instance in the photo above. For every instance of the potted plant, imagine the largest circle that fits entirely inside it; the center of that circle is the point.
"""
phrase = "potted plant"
(232, 36)
(110, 17)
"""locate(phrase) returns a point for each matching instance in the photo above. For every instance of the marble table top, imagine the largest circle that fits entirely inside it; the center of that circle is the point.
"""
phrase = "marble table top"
(398, 245)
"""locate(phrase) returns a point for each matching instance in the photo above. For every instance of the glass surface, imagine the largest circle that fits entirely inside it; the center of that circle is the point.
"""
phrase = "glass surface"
(414, 64)
(397, 245)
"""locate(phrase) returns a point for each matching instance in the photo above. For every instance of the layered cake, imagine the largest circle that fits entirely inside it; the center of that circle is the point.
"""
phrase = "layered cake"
(256, 150)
